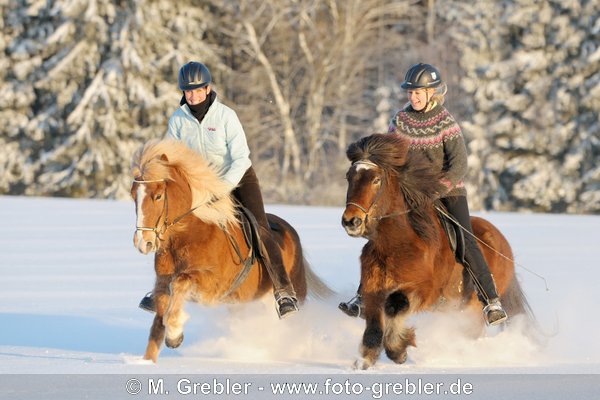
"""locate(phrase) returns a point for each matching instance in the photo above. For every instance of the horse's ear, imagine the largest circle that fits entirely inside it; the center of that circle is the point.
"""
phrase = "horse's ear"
(353, 152)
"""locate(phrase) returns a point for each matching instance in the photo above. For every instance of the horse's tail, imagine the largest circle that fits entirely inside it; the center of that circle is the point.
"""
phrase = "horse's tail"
(317, 288)
(515, 302)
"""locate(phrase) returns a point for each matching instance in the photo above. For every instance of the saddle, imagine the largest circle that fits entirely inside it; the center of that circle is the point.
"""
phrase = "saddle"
(251, 228)
(455, 234)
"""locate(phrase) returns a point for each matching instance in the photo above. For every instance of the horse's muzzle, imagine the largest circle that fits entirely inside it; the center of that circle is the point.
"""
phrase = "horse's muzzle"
(145, 241)
(354, 225)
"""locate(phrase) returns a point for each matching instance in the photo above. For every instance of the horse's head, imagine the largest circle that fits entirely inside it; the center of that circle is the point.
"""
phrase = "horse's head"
(172, 184)
(158, 192)
(372, 183)
(365, 187)
(386, 181)
(151, 207)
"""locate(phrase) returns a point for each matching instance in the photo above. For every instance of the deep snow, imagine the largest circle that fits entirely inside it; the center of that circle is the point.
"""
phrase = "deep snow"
(71, 279)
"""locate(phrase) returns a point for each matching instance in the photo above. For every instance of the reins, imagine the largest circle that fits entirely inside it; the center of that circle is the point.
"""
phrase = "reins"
(451, 218)
(441, 211)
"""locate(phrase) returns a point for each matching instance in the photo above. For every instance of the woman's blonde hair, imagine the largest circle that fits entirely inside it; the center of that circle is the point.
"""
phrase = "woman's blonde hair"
(439, 96)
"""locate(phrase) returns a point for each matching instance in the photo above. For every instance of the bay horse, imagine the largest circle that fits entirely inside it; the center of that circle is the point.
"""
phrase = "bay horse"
(187, 216)
(407, 264)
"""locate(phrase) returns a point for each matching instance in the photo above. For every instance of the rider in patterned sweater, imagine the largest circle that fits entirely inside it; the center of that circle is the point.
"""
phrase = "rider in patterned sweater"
(433, 130)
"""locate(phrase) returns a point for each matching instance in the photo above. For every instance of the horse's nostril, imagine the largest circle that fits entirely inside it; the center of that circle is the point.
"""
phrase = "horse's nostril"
(356, 222)
(148, 247)
(353, 222)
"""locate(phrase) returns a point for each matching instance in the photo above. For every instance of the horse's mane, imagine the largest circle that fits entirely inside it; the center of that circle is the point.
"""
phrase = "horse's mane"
(160, 159)
(419, 183)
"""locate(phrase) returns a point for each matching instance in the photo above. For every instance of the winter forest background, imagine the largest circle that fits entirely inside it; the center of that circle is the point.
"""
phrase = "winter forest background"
(83, 83)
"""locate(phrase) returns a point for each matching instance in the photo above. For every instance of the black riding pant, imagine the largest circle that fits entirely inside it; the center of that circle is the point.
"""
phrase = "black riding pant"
(477, 267)
(249, 195)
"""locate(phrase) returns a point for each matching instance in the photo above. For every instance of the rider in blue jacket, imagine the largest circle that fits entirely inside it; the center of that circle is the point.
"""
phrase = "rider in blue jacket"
(215, 132)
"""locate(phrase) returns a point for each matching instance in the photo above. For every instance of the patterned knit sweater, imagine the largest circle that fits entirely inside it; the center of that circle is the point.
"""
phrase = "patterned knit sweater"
(436, 133)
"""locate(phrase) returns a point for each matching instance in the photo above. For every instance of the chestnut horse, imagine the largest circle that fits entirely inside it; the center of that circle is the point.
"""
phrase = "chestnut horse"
(185, 213)
(407, 265)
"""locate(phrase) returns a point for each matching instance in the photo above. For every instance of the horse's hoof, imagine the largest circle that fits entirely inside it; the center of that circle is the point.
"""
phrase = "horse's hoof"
(399, 357)
(362, 364)
(174, 343)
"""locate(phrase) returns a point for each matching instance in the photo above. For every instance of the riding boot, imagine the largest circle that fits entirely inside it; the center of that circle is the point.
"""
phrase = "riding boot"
(285, 295)
(353, 307)
(475, 264)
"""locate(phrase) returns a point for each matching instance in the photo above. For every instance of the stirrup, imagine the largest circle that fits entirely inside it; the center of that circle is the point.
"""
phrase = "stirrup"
(353, 307)
(493, 313)
(287, 304)
(148, 303)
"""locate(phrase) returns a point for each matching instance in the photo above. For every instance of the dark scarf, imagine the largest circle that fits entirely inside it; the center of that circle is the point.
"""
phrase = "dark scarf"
(199, 110)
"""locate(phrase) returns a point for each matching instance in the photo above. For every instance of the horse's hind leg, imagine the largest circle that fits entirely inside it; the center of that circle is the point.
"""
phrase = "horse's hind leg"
(175, 317)
(397, 337)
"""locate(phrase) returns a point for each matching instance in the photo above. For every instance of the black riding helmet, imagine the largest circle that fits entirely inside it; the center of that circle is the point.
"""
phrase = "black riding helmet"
(194, 75)
(422, 76)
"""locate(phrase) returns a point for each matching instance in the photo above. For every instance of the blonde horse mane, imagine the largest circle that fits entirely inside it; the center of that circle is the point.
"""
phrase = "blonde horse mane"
(211, 195)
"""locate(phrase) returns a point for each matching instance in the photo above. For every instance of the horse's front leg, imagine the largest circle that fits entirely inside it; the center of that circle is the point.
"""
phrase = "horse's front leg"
(157, 331)
(164, 267)
(372, 341)
(175, 317)
(397, 337)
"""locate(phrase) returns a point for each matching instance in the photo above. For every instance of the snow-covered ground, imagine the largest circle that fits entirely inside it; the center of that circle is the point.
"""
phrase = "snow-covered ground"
(70, 281)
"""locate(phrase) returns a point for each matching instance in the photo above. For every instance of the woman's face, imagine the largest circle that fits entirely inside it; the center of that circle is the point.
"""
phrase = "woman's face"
(419, 98)
(196, 96)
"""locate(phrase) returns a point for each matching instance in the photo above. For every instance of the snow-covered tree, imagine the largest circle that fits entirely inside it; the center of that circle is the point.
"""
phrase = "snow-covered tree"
(85, 82)
(313, 67)
(532, 74)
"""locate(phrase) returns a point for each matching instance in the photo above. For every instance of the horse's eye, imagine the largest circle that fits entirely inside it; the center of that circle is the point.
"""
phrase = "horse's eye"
(158, 197)
(377, 181)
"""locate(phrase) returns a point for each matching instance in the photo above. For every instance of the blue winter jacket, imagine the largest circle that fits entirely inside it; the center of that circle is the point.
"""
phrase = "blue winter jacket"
(219, 138)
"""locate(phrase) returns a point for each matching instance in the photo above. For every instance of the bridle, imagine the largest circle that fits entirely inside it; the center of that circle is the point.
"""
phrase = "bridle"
(367, 210)
(165, 211)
